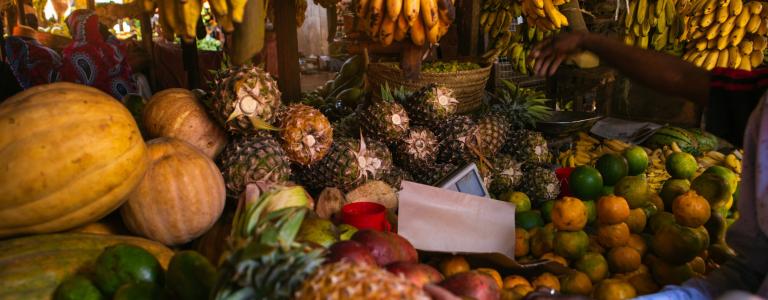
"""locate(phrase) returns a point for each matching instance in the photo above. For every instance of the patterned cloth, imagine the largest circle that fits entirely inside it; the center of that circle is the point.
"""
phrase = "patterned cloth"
(94, 60)
(31, 62)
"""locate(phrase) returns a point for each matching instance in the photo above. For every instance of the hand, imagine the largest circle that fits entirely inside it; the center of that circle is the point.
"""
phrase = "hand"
(550, 53)
(545, 293)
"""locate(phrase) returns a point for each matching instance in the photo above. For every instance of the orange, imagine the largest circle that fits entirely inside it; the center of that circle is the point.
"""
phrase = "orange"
(522, 289)
(547, 280)
(512, 281)
(623, 259)
(493, 273)
(569, 214)
(637, 220)
(571, 244)
(594, 265)
(612, 210)
(638, 243)
(543, 240)
(454, 265)
(576, 283)
(594, 245)
(698, 265)
(522, 242)
(611, 236)
(614, 289)
(556, 258)
(691, 210)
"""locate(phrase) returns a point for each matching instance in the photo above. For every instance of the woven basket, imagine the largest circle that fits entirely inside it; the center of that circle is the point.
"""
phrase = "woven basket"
(468, 86)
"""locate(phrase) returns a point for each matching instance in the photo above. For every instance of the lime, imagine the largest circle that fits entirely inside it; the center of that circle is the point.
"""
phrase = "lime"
(77, 288)
(637, 160)
(141, 290)
(727, 174)
(123, 263)
(546, 210)
(594, 265)
(613, 167)
(586, 183)
(521, 200)
(681, 165)
(591, 211)
(529, 219)
(190, 276)
(634, 189)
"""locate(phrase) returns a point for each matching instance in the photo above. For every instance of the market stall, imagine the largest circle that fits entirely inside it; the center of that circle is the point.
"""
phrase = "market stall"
(434, 164)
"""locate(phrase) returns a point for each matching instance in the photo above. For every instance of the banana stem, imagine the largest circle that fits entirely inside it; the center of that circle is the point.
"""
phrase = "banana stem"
(572, 12)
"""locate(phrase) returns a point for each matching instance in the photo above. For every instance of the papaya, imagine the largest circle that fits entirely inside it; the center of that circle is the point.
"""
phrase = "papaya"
(33, 267)
(714, 188)
(678, 244)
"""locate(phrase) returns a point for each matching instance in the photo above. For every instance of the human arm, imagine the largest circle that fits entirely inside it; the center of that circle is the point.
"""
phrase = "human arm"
(656, 70)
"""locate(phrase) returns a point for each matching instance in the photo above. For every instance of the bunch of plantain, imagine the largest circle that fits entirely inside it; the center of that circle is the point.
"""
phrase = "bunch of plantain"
(301, 12)
(516, 46)
(424, 21)
(725, 33)
(653, 25)
(497, 16)
(544, 14)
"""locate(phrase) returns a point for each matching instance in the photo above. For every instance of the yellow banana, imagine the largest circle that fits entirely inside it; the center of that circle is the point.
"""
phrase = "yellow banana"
(756, 58)
(723, 3)
(743, 18)
(722, 14)
(402, 23)
(722, 42)
(168, 11)
(362, 8)
(709, 7)
(713, 31)
(248, 37)
(726, 28)
(737, 35)
(754, 23)
(763, 29)
(711, 61)
(659, 8)
(716, 155)
(411, 8)
(755, 7)
(418, 32)
(760, 43)
(641, 11)
(734, 58)
(746, 47)
(221, 12)
(189, 14)
(400, 34)
(734, 8)
(746, 63)
(538, 4)
(433, 34)
(444, 27)
(701, 44)
(552, 13)
(630, 14)
(387, 32)
(712, 44)
(722, 58)
(429, 13)
(733, 163)
(707, 20)
(447, 11)
(699, 62)
(393, 9)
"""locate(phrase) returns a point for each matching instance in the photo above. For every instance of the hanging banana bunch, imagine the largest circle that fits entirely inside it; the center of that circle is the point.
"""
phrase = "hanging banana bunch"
(544, 14)
(497, 16)
(725, 33)
(653, 25)
(301, 12)
(517, 46)
(424, 21)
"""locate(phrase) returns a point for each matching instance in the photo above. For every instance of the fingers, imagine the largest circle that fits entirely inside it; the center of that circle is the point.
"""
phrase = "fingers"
(556, 64)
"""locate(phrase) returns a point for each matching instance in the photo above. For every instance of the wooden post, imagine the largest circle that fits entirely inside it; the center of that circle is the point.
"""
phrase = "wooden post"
(330, 15)
(468, 18)
(410, 60)
(289, 77)
(91, 4)
(191, 64)
(146, 33)
(20, 15)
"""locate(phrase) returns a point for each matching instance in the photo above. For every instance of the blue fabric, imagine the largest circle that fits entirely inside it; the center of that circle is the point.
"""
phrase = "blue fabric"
(676, 292)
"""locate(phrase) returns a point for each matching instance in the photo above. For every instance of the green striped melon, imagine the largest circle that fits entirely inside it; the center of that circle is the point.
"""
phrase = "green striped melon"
(666, 135)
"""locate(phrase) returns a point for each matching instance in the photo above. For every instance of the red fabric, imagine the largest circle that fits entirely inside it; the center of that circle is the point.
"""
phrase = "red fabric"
(31, 62)
(91, 60)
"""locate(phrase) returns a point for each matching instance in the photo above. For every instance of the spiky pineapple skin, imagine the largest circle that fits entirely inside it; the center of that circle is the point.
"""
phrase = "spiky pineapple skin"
(491, 134)
(541, 183)
(418, 147)
(346, 166)
(384, 120)
(431, 174)
(527, 146)
(506, 175)
(348, 280)
(249, 159)
(456, 139)
(247, 89)
(306, 134)
(430, 105)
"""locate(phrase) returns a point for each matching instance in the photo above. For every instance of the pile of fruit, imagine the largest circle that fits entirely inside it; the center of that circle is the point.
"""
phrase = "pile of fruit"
(385, 21)
(725, 34)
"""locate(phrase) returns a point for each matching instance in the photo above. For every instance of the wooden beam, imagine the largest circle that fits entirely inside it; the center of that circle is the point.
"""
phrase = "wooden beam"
(468, 18)
(191, 64)
(331, 17)
(20, 15)
(146, 33)
(91, 4)
(289, 77)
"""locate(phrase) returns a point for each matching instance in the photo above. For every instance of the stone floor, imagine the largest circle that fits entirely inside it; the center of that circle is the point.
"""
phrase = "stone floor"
(310, 82)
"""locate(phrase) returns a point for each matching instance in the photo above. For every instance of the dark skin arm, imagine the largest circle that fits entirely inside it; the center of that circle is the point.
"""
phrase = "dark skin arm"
(656, 70)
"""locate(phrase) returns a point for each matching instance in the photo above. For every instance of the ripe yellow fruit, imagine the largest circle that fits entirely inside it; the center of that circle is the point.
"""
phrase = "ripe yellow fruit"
(547, 280)
(612, 210)
(691, 210)
(454, 265)
(512, 281)
(522, 242)
(637, 220)
(614, 289)
(556, 258)
(569, 214)
(493, 274)
(623, 259)
(615, 235)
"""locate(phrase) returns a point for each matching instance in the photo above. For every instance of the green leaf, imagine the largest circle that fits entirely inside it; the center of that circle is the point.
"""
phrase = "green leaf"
(291, 228)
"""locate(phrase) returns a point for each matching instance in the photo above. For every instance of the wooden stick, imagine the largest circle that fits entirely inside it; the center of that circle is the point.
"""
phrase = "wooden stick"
(289, 77)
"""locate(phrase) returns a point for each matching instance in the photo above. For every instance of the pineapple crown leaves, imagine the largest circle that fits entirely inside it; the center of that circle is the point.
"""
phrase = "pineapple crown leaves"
(386, 93)
(523, 107)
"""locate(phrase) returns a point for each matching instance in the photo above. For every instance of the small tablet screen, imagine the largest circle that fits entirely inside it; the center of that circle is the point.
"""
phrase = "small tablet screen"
(467, 180)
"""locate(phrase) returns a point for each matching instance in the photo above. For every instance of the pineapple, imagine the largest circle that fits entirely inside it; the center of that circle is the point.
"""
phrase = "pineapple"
(527, 146)
(306, 134)
(492, 132)
(246, 99)
(395, 176)
(418, 147)
(456, 136)
(384, 119)
(348, 126)
(541, 184)
(251, 159)
(349, 280)
(349, 163)
(520, 106)
(506, 175)
(431, 104)
(263, 260)
(431, 174)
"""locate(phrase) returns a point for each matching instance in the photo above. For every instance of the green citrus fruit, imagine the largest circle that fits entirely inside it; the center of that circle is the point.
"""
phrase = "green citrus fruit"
(140, 290)
(571, 244)
(681, 165)
(190, 276)
(673, 188)
(546, 210)
(613, 167)
(121, 264)
(77, 288)
(637, 160)
(594, 265)
(591, 211)
(521, 200)
(576, 283)
(586, 183)
(660, 220)
(634, 189)
(607, 190)
(727, 174)
(529, 219)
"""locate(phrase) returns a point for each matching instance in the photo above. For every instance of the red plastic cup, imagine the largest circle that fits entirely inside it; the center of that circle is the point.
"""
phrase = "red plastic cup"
(562, 175)
(366, 215)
